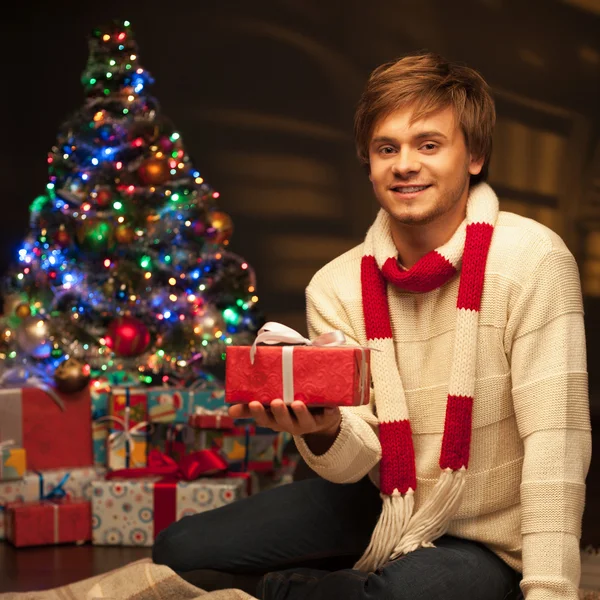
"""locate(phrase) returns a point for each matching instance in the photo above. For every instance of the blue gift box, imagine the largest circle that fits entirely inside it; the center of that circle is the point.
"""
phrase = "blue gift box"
(176, 405)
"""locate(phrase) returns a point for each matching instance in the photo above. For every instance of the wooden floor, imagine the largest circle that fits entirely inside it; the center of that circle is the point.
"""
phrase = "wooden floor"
(47, 567)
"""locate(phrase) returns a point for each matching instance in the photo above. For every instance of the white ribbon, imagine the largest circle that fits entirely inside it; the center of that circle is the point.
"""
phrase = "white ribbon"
(277, 333)
(127, 433)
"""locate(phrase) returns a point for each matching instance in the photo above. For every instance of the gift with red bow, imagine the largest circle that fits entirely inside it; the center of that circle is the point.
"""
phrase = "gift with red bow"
(325, 371)
(131, 506)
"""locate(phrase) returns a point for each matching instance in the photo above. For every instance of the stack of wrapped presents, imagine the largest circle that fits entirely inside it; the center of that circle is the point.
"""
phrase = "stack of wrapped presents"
(116, 463)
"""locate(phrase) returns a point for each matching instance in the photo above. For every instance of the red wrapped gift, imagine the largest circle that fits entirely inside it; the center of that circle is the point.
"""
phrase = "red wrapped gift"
(128, 404)
(46, 522)
(205, 418)
(53, 428)
(324, 372)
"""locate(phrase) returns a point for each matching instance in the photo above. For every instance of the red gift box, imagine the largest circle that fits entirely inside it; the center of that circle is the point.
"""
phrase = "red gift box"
(131, 400)
(205, 418)
(48, 522)
(319, 376)
(54, 428)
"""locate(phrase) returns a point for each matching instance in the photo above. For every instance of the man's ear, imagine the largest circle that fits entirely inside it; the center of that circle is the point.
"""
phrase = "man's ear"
(475, 165)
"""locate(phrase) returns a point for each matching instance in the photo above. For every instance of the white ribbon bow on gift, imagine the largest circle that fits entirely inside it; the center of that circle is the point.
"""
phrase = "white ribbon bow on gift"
(127, 434)
(277, 333)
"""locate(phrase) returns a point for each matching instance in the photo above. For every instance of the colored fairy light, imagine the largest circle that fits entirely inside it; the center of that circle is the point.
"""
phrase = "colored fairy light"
(117, 205)
(84, 177)
(244, 266)
(172, 281)
(175, 136)
(107, 262)
(132, 57)
(50, 186)
(216, 194)
(105, 37)
(94, 161)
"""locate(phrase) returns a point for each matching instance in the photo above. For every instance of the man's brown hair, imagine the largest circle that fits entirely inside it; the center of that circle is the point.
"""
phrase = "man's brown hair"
(430, 83)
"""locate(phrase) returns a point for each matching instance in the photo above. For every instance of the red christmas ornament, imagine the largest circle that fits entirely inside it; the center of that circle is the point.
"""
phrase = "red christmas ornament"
(62, 238)
(103, 197)
(128, 336)
(166, 145)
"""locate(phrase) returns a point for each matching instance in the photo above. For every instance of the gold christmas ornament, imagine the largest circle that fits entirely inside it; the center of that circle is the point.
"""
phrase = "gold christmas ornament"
(71, 376)
(11, 303)
(220, 227)
(124, 234)
(155, 171)
(23, 310)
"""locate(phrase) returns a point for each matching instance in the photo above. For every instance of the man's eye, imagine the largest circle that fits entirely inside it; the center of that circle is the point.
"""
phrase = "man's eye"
(429, 146)
(387, 150)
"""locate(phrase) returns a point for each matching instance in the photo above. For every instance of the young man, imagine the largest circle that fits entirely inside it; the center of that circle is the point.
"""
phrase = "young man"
(477, 437)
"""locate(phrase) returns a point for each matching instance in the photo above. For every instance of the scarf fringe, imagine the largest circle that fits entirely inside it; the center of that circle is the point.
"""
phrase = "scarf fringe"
(432, 519)
(395, 516)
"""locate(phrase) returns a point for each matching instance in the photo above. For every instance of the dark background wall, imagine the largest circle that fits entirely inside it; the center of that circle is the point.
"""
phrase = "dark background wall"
(263, 94)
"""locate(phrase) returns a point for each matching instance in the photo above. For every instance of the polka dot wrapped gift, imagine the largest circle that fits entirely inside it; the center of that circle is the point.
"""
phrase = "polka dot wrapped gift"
(129, 511)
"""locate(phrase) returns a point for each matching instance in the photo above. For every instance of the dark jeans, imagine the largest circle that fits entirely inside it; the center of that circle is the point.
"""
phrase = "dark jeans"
(304, 537)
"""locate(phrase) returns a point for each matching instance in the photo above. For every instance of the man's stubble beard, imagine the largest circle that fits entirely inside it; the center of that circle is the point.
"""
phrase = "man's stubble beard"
(445, 205)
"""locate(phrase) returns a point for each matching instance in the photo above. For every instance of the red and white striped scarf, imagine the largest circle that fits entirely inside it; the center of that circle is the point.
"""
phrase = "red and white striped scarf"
(398, 530)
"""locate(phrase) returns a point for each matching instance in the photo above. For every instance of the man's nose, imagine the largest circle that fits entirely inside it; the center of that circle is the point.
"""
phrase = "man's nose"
(406, 163)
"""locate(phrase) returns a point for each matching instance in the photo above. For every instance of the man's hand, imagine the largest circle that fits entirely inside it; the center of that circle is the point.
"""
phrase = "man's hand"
(297, 419)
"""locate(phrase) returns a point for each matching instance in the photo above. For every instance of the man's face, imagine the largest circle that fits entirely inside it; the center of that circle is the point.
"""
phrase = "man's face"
(420, 171)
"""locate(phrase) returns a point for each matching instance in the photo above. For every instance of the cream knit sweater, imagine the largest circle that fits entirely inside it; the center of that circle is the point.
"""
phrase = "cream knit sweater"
(531, 440)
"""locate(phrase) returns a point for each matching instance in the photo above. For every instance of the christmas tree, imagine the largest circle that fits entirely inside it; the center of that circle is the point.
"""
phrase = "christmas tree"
(125, 267)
